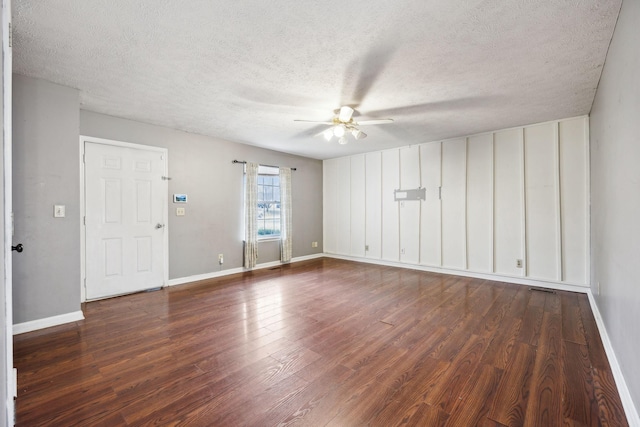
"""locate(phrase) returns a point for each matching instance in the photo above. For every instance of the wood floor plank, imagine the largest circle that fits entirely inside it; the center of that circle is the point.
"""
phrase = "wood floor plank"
(476, 398)
(609, 405)
(543, 406)
(448, 390)
(322, 342)
(510, 402)
(579, 403)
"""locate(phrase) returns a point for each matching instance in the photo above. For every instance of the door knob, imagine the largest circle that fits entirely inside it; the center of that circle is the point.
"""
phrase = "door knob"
(159, 225)
(18, 248)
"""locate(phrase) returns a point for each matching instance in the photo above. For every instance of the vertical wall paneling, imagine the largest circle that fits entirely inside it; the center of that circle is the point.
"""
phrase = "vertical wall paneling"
(344, 207)
(558, 202)
(480, 203)
(330, 205)
(390, 214)
(358, 201)
(430, 227)
(574, 199)
(373, 202)
(508, 212)
(454, 237)
(410, 209)
(492, 201)
(541, 163)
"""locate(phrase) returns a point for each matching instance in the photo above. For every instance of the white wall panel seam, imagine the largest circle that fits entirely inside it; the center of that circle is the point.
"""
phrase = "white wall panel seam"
(466, 204)
(558, 203)
(493, 204)
(440, 205)
(523, 198)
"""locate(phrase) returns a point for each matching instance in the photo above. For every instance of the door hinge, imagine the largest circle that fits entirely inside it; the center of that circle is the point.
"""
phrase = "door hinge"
(440, 193)
(83, 158)
(10, 36)
(166, 178)
(84, 220)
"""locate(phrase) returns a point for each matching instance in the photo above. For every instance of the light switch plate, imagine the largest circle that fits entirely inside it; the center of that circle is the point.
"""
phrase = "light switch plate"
(180, 211)
(59, 211)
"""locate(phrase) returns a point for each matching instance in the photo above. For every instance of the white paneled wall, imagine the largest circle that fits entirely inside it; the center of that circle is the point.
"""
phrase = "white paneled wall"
(480, 203)
(358, 212)
(343, 217)
(431, 212)
(390, 208)
(454, 191)
(508, 203)
(373, 203)
(542, 207)
(409, 209)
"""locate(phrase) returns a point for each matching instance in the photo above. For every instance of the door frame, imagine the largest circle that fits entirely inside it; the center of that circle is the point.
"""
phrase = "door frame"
(11, 386)
(83, 232)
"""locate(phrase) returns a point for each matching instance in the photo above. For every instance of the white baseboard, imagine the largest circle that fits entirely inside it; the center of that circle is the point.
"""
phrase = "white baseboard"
(221, 273)
(625, 396)
(571, 287)
(47, 322)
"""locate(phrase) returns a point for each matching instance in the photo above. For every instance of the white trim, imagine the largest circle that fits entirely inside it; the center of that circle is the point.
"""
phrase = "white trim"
(625, 396)
(47, 322)
(205, 276)
(542, 283)
(8, 417)
(165, 152)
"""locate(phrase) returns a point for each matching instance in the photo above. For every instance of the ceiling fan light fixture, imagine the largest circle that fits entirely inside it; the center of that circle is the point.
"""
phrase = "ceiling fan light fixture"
(338, 131)
(328, 134)
(358, 134)
(345, 114)
(342, 140)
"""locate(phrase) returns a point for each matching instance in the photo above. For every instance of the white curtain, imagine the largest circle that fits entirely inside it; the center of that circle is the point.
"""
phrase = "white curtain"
(285, 215)
(250, 216)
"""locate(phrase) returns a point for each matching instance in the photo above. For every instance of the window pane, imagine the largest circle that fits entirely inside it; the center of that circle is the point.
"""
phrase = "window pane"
(268, 206)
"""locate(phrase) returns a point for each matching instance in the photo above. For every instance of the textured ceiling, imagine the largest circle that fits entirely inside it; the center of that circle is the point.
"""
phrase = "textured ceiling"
(243, 71)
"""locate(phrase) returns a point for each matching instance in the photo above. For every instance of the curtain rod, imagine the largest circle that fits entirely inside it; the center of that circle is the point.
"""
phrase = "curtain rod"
(270, 166)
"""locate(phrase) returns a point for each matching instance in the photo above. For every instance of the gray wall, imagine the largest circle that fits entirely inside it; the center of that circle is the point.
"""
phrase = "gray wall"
(615, 195)
(46, 276)
(201, 167)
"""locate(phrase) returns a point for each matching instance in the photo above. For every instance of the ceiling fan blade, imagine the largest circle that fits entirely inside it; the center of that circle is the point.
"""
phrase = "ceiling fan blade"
(375, 122)
(345, 114)
(313, 121)
(356, 86)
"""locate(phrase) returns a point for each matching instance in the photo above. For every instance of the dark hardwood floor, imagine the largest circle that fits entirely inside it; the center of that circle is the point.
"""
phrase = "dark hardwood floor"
(323, 342)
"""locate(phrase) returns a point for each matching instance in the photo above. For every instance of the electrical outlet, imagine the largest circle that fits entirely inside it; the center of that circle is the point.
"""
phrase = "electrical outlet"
(402, 251)
(180, 211)
(314, 244)
(220, 259)
(519, 263)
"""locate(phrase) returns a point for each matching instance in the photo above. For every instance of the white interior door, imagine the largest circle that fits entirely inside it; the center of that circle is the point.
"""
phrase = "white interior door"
(125, 209)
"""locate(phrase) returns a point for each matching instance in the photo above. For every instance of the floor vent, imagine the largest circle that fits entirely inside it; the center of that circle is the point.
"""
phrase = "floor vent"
(548, 291)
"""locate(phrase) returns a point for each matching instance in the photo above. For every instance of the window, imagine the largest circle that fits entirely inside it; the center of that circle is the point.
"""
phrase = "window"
(268, 213)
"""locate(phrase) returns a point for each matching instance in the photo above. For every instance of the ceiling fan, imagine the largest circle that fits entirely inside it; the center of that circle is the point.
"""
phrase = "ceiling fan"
(343, 123)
